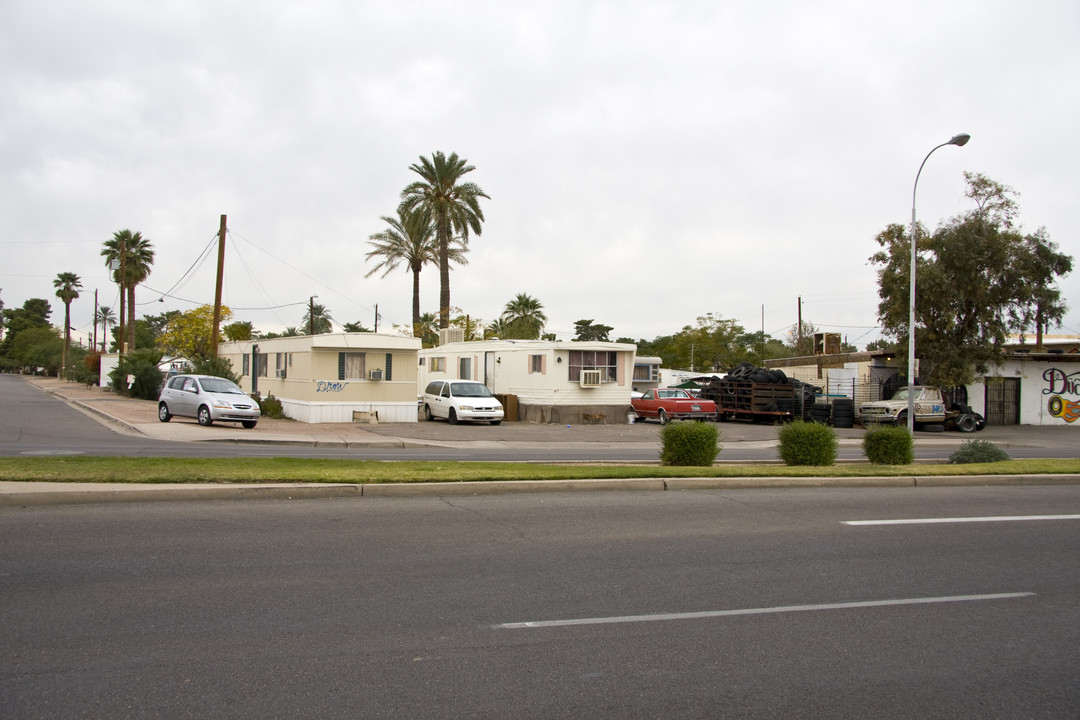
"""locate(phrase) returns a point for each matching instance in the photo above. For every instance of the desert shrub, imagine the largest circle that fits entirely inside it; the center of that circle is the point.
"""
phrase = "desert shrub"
(216, 366)
(142, 365)
(978, 451)
(271, 407)
(807, 443)
(889, 445)
(689, 443)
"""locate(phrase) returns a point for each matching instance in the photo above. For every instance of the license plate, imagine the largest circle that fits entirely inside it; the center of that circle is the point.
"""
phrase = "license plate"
(696, 407)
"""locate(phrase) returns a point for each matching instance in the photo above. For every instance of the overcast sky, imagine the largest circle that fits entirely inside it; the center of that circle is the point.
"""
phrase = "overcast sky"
(647, 162)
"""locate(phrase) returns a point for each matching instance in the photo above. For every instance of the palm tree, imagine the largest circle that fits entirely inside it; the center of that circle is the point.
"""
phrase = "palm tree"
(454, 207)
(107, 318)
(67, 286)
(410, 238)
(135, 255)
(427, 329)
(322, 323)
(524, 317)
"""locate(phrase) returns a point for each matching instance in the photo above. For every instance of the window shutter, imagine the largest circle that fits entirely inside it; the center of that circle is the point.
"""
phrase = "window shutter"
(341, 366)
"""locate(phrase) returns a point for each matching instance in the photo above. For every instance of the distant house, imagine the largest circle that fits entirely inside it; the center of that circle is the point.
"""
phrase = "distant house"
(552, 381)
(335, 377)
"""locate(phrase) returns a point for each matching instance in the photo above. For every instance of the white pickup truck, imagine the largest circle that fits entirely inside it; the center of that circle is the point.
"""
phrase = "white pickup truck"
(929, 410)
(929, 407)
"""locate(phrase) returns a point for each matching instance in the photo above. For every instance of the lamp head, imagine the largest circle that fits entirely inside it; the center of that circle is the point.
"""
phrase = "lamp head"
(960, 140)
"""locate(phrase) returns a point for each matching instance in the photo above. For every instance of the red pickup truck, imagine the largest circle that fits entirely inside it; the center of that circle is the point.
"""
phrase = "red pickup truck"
(672, 404)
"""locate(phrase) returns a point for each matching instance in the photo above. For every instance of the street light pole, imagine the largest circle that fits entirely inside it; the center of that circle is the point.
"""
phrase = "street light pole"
(958, 140)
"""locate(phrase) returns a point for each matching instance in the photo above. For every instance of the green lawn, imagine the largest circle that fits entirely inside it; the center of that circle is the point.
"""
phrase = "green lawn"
(270, 470)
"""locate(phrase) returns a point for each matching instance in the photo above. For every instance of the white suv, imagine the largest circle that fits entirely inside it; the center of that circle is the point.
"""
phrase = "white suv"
(461, 400)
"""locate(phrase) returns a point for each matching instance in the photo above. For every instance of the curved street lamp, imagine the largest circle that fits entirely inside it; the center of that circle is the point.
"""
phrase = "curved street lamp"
(958, 140)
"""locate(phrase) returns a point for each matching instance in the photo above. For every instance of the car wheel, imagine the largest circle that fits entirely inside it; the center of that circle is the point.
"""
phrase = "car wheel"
(249, 424)
(428, 415)
(901, 419)
(966, 423)
(662, 416)
(452, 417)
(163, 413)
(204, 416)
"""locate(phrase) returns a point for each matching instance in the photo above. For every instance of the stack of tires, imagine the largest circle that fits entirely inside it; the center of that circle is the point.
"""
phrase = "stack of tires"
(843, 413)
(821, 412)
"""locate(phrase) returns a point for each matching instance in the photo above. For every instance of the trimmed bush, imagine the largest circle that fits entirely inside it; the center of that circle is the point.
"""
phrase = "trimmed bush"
(270, 407)
(689, 443)
(216, 366)
(978, 451)
(807, 443)
(889, 445)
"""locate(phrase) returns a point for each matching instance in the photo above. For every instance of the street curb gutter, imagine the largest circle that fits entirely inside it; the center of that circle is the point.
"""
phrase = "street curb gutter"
(87, 493)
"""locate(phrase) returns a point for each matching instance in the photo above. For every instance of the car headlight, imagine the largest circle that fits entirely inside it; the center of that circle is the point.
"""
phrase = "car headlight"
(467, 408)
(222, 405)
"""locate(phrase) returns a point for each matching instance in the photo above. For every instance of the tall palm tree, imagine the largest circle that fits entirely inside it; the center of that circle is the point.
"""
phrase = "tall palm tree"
(135, 255)
(322, 322)
(454, 207)
(67, 286)
(524, 317)
(107, 318)
(410, 239)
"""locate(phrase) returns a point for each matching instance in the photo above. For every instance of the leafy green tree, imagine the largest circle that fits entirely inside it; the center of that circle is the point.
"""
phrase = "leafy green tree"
(217, 366)
(454, 206)
(584, 330)
(67, 285)
(410, 238)
(473, 327)
(191, 334)
(317, 320)
(978, 279)
(142, 366)
(523, 318)
(354, 327)
(34, 313)
(427, 330)
(135, 255)
(38, 348)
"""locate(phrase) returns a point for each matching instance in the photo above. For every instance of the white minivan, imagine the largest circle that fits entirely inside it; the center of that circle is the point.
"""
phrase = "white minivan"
(458, 400)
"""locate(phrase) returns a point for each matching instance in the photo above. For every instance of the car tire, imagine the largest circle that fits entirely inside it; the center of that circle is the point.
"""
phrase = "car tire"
(204, 416)
(428, 415)
(966, 424)
(249, 424)
(662, 416)
(496, 422)
(163, 413)
(452, 417)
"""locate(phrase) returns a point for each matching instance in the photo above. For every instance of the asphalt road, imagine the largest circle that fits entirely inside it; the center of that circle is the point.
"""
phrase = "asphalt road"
(749, 604)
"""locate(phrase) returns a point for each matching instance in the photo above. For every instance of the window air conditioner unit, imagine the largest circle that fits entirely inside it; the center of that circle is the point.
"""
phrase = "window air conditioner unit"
(590, 378)
(281, 373)
(375, 375)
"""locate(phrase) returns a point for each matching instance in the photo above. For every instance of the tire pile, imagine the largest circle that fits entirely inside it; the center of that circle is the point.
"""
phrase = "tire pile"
(803, 395)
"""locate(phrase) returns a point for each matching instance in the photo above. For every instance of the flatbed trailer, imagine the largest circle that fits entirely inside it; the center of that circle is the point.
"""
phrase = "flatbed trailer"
(760, 402)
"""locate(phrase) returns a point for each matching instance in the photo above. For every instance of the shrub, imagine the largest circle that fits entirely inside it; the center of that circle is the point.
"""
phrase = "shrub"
(689, 443)
(807, 443)
(271, 407)
(216, 366)
(142, 365)
(889, 445)
(978, 451)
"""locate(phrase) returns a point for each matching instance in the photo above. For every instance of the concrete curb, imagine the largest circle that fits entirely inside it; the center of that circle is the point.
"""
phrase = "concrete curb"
(16, 494)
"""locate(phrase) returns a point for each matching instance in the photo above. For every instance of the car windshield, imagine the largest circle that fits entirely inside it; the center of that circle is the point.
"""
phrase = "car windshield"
(901, 394)
(469, 390)
(221, 385)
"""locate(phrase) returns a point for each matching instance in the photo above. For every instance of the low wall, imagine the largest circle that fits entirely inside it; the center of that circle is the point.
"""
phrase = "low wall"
(310, 412)
(574, 414)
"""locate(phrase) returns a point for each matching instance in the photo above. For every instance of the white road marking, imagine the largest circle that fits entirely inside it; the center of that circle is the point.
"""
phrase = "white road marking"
(757, 611)
(938, 521)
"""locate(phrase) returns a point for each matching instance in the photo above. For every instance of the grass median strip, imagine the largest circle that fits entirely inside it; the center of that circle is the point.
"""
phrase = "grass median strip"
(269, 470)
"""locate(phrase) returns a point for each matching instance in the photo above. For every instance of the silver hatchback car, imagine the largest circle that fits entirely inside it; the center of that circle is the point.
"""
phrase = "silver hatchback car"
(207, 399)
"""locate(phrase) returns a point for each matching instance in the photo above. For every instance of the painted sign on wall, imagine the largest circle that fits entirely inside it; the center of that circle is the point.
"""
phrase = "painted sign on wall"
(1059, 383)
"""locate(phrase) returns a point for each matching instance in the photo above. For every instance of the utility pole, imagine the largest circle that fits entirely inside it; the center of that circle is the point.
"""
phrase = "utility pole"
(94, 346)
(799, 334)
(311, 315)
(376, 317)
(217, 291)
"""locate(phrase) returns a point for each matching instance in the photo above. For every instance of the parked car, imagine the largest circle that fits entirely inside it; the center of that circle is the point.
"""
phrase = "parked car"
(665, 404)
(207, 399)
(458, 400)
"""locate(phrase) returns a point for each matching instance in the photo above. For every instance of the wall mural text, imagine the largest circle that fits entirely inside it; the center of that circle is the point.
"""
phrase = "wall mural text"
(1058, 382)
(326, 386)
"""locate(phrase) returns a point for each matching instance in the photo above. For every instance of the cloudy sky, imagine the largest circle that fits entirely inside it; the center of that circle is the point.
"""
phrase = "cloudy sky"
(647, 162)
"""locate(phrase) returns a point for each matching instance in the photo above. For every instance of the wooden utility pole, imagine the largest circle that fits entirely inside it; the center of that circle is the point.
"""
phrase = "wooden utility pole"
(94, 346)
(217, 291)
